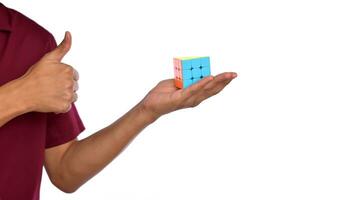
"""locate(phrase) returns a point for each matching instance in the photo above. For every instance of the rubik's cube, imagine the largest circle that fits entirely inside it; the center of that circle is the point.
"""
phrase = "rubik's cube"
(189, 70)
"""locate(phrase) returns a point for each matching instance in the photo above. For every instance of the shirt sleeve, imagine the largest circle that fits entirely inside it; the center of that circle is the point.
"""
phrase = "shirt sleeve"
(63, 127)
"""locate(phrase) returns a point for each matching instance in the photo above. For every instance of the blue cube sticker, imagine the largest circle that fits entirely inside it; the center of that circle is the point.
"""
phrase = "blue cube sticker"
(205, 62)
(196, 72)
(195, 80)
(187, 74)
(196, 62)
(187, 83)
(205, 71)
(186, 64)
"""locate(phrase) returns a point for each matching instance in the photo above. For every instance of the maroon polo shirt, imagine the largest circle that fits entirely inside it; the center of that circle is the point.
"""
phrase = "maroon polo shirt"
(24, 139)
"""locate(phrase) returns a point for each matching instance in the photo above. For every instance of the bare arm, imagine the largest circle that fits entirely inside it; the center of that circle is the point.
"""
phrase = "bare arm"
(72, 164)
(50, 86)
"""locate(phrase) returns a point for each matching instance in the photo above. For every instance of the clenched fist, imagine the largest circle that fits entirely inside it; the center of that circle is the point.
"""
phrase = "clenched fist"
(51, 85)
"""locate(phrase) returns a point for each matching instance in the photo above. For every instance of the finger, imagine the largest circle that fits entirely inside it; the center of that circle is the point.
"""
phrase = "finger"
(223, 84)
(68, 109)
(65, 111)
(213, 90)
(217, 89)
(193, 89)
(220, 78)
(62, 49)
(75, 97)
(75, 87)
(76, 75)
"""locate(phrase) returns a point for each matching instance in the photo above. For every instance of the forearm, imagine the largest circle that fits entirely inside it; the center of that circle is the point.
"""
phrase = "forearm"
(85, 158)
(12, 101)
(72, 165)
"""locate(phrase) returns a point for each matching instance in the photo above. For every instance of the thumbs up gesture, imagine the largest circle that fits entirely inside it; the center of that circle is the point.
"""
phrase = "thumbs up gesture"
(51, 85)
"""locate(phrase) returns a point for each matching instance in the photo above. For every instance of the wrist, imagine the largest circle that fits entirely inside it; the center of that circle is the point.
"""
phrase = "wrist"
(148, 115)
(16, 96)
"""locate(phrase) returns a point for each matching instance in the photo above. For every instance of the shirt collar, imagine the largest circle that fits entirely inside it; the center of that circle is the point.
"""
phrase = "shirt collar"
(4, 18)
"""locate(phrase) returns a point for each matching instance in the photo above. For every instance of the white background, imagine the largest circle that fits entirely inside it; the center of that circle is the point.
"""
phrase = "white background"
(274, 133)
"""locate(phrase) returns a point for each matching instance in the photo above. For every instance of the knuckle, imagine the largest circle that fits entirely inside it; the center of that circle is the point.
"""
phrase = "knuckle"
(69, 70)
(76, 74)
(69, 97)
(69, 84)
(75, 97)
(64, 107)
(75, 86)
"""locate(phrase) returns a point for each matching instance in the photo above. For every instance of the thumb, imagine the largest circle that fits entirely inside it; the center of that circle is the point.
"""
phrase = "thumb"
(62, 49)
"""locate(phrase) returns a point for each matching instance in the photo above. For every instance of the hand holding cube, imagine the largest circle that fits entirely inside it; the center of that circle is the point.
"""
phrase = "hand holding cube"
(166, 97)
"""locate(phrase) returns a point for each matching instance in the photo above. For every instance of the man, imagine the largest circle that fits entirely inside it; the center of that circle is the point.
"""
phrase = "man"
(39, 123)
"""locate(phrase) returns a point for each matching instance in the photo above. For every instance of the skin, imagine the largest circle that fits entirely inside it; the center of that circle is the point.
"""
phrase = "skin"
(51, 86)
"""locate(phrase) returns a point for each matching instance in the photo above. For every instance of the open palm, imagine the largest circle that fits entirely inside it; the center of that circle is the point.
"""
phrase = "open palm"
(165, 97)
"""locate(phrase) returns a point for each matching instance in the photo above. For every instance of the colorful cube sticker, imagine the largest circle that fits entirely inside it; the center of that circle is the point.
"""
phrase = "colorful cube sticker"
(189, 70)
